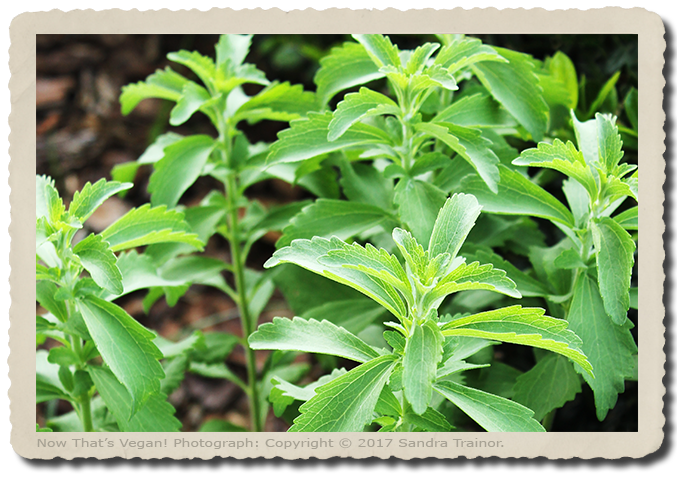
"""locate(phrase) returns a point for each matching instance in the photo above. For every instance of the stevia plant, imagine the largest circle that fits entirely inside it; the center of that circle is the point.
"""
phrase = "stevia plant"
(106, 364)
(400, 389)
(179, 161)
(587, 276)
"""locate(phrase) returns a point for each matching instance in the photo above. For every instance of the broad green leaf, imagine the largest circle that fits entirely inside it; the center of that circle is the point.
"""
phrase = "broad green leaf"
(175, 372)
(144, 226)
(44, 294)
(610, 143)
(97, 258)
(498, 378)
(453, 224)
(515, 86)
(354, 315)
(356, 106)
(473, 277)
(615, 259)
(277, 102)
(47, 383)
(219, 425)
(157, 415)
(380, 49)
(346, 404)
(217, 347)
(327, 218)
(517, 195)
(201, 65)
(418, 204)
(179, 168)
(284, 393)
(470, 145)
(364, 183)
(307, 138)
(164, 84)
(527, 326)
(346, 66)
(311, 336)
(430, 421)
(193, 97)
(170, 349)
(610, 348)
(587, 139)
(463, 52)
(370, 260)
(419, 58)
(562, 69)
(422, 353)
(628, 219)
(215, 371)
(564, 158)
(48, 203)
(547, 386)
(305, 253)
(476, 110)
(127, 348)
(233, 49)
(493, 413)
(578, 199)
(139, 271)
(87, 200)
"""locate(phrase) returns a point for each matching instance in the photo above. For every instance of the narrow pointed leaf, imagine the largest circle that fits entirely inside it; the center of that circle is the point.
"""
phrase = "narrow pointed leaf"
(311, 336)
(164, 84)
(346, 404)
(517, 195)
(453, 224)
(422, 353)
(127, 348)
(527, 326)
(101, 263)
(87, 200)
(615, 259)
(610, 348)
(547, 386)
(628, 219)
(493, 413)
(278, 101)
(157, 415)
(144, 226)
(179, 168)
(305, 253)
(346, 66)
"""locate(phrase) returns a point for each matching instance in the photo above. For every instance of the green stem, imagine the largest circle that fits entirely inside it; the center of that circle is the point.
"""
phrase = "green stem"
(245, 319)
(86, 413)
(85, 401)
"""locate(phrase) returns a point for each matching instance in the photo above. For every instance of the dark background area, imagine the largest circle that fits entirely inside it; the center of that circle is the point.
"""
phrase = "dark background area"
(81, 136)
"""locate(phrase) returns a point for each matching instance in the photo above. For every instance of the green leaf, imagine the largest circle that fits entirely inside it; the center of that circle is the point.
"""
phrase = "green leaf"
(219, 425)
(562, 69)
(233, 49)
(127, 348)
(328, 217)
(48, 203)
(422, 353)
(418, 204)
(628, 219)
(419, 58)
(366, 184)
(603, 93)
(193, 97)
(346, 66)
(356, 106)
(430, 421)
(515, 86)
(370, 260)
(610, 143)
(610, 348)
(346, 404)
(311, 336)
(564, 158)
(144, 226)
(179, 168)
(517, 195)
(44, 294)
(463, 52)
(527, 326)
(615, 259)
(277, 102)
(87, 200)
(453, 224)
(473, 277)
(202, 66)
(157, 415)
(470, 145)
(307, 138)
(547, 386)
(97, 258)
(493, 413)
(164, 84)
(380, 49)
(631, 107)
(305, 253)
(47, 383)
(477, 110)
(284, 393)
